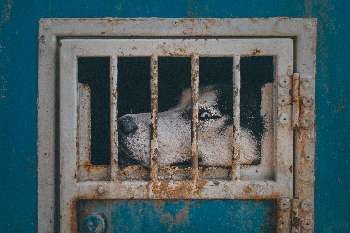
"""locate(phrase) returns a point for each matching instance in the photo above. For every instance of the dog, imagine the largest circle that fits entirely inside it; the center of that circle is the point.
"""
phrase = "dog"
(215, 132)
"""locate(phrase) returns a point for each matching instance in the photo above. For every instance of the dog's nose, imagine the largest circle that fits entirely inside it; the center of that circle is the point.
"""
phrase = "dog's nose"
(127, 124)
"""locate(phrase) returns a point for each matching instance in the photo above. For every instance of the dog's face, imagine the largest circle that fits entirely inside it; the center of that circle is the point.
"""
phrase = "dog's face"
(215, 130)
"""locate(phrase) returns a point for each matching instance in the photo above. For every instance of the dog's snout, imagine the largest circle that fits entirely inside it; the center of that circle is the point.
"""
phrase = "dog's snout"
(127, 124)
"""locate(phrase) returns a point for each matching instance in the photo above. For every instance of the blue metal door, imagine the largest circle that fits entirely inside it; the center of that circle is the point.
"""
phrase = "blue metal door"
(18, 115)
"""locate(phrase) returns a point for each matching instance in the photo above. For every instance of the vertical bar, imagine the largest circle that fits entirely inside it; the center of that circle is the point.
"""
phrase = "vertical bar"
(84, 125)
(154, 118)
(114, 116)
(68, 147)
(194, 125)
(236, 117)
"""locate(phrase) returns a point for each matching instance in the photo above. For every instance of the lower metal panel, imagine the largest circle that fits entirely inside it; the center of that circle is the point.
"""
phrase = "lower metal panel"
(180, 216)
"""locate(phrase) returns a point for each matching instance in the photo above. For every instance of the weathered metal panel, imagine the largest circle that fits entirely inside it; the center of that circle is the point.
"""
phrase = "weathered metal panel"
(181, 216)
(72, 190)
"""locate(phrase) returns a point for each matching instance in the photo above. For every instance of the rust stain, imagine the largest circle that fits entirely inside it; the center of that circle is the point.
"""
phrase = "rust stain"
(185, 189)
(195, 107)
(257, 52)
(154, 115)
(181, 216)
(73, 208)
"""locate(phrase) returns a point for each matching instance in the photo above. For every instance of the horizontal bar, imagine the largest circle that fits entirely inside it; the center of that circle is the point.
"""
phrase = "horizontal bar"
(181, 47)
(203, 189)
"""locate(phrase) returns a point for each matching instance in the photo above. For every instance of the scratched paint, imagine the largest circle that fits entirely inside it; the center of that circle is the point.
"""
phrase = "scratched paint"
(182, 216)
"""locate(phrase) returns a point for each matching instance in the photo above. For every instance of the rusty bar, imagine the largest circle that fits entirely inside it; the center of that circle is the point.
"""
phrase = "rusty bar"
(194, 125)
(184, 189)
(296, 100)
(114, 116)
(154, 118)
(84, 126)
(236, 117)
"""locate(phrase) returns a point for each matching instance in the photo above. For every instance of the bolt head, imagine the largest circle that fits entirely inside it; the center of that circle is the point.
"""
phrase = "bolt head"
(306, 123)
(94, 223)
(306, 82)
(306, 223)
(282, 100)
(306, 205)
(283, 118)
(307, 101)
(100, 189)
(283, 82)
(284, 203)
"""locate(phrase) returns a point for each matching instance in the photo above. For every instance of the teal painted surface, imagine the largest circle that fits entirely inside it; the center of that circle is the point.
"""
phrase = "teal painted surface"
(18, 92)
(183, 216)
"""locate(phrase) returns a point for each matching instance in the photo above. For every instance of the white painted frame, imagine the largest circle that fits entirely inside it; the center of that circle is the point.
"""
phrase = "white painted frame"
(302, 31)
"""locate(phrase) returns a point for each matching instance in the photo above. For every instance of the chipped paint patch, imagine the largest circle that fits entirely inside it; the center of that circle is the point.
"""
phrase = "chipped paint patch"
(6, 12)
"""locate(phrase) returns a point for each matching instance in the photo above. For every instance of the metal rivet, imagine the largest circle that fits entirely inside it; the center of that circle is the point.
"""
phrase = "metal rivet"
(282, 100)
(307, 101)
(284, 203)
(94, 223)
(100, 189)
(306, 123)
(283, 118)
(306, 83)
(306, 223)
(306, 205)
(283, 82)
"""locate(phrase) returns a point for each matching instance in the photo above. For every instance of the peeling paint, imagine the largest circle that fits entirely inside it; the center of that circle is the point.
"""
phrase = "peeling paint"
(6, 12)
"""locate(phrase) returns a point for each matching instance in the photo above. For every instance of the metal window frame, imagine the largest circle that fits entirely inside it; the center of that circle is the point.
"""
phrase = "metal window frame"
(303, 33)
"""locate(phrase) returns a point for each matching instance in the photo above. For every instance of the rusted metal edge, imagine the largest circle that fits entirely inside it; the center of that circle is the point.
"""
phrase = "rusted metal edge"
(194, 122)
(184, 189)
(154, 120)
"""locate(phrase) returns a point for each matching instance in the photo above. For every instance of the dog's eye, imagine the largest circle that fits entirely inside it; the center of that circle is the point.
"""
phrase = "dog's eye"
(207, 114)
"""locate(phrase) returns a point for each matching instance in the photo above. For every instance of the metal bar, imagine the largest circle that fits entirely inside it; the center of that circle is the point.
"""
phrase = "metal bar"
(68, 128)
(181, 47)
(236, 117)
(154, 119)
(194, 125)
(114, 116)
(84, 126)
(184, 189)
